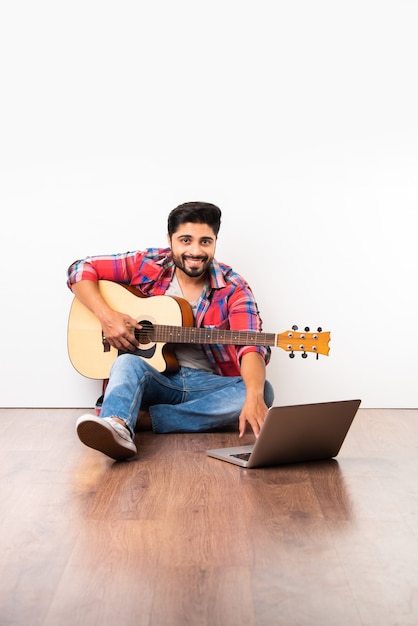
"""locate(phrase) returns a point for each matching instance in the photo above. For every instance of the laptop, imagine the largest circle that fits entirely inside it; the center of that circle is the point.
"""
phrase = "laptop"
(295, 434)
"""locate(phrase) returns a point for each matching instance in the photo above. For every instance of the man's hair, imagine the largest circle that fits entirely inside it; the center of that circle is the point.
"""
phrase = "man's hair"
(197, 213)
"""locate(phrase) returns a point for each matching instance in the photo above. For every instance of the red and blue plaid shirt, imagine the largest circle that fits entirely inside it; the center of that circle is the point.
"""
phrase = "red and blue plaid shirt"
(226, 303)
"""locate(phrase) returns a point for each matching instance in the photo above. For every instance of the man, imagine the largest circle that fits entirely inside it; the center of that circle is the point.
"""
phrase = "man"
(215, 385)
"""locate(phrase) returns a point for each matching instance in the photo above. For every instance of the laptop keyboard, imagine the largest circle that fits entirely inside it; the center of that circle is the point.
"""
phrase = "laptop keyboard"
(244, 456)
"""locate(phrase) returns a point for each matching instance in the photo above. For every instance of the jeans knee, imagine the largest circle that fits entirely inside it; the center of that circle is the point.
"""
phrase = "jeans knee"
(129, 362)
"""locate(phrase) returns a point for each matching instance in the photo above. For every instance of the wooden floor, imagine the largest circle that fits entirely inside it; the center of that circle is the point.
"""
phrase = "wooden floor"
(175, 538)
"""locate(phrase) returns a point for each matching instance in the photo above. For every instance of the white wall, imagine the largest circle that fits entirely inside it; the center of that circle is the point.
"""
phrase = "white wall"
(298, 118)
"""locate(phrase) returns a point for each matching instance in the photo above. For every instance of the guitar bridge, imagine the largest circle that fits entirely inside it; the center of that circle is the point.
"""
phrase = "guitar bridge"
(106, 344)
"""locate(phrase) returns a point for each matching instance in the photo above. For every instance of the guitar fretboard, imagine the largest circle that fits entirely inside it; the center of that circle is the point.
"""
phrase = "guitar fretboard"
(191, 334)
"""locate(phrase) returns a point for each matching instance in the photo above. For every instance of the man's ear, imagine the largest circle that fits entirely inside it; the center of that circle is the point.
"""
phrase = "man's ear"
(169, 239)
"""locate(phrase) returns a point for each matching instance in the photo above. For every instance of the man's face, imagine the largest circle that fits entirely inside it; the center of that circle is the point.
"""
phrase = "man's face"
(193, 247)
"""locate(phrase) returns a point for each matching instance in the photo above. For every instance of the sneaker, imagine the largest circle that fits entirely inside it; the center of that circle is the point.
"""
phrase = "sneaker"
(106, 435)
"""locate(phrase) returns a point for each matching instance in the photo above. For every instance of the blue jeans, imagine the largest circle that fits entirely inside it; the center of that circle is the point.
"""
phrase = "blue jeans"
(189, 400)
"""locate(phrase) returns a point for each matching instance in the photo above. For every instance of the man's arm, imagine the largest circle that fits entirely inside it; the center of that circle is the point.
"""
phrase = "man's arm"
(117, 327)
(254, 411)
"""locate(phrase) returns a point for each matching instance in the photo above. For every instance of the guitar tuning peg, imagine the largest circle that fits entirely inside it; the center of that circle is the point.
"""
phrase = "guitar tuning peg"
(307, 329)
(304, 355)
(291, 355)
(294, 327)
(319, 329)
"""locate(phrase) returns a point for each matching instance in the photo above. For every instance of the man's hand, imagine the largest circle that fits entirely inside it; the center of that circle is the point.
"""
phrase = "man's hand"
(119, 330)
(254, 413)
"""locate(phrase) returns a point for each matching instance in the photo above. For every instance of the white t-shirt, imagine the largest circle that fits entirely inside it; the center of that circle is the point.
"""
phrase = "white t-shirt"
(188, 354)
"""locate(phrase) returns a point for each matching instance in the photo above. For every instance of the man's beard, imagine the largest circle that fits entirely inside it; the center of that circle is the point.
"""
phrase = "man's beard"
(193, 272)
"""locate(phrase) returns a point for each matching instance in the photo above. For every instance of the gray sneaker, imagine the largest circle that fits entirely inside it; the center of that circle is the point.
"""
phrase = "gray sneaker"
(106, 435)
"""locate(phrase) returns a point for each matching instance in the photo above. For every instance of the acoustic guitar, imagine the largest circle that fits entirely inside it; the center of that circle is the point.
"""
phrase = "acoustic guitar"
(165, 321)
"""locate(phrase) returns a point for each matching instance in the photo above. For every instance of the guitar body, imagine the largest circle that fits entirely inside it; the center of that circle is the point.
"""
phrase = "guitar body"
(93, 357)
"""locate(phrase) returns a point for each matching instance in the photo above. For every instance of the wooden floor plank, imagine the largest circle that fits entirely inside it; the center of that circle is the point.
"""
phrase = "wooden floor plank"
(174, 537)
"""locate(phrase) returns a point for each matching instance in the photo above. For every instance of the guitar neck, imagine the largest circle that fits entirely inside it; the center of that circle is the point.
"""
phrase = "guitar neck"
(186, 334)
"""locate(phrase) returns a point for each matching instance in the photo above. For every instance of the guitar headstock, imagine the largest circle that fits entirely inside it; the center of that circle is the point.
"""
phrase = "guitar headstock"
(293, 341)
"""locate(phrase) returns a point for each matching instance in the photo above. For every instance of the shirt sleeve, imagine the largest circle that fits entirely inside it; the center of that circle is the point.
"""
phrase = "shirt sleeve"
(115, 267)
(244, 315)
(235, 308)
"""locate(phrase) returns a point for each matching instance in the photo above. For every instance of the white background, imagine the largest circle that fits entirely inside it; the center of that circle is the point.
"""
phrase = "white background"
(299, 119)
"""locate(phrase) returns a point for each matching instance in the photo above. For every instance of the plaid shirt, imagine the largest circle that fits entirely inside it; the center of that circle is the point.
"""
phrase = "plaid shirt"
(227, 301)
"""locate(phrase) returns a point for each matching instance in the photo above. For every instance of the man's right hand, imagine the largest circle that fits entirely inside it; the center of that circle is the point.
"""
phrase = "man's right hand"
(119, 330)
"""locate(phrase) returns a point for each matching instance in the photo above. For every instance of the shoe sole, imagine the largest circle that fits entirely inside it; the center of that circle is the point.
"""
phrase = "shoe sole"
(100, 438)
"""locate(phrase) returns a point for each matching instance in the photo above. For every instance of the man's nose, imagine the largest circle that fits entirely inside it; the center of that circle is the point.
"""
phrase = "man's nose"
(195, 250)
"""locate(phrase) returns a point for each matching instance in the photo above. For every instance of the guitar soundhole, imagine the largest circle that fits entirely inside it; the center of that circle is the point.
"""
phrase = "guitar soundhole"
(146, 334)
(145, 337)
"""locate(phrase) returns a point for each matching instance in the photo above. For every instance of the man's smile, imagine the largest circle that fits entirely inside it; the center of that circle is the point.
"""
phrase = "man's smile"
(194, 261)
